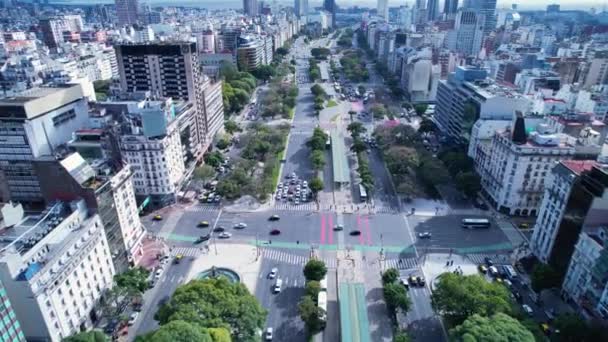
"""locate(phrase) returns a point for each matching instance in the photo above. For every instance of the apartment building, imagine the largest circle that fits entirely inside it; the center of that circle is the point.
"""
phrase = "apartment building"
(53, 29)
(467, 35)
(10, 328)
(106, 185)
(33, 125)
(55, 267)
(574, 197)
(419, 77)
(251, 53)
(127, 11)
(172, 70)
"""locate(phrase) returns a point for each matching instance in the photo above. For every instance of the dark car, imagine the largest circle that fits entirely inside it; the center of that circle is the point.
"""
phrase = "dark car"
(338, 227)
(517, 296)
(275, 232)
(274, 218)
(203, 238)
(421, 281)
(219, 229)
(111, 327)
(355, 233)
(424, 235)
(488, 261)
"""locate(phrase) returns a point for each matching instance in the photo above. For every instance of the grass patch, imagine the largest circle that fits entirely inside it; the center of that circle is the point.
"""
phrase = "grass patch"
(292, 112)
(331, 103)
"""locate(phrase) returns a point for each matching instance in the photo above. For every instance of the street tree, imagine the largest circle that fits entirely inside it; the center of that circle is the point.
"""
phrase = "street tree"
(317, 158)
(264, 72)
(320, 53)
(315, 185)
(572, 328)
(204, 173)
(215, 303)
(282, 51)
(317, 90)
(544, 277)
(134, 280)
(427, 125)
(457, 297)
(361, 89)
(312, 288)
(469, 183)
(232, 127)
(315, 270)
(420, 109)
(390, 276)
(88, 336)
(402, 336)
(499, 327)
(228, 70)
(214, 158)
(396, 297)
(356, 128)
(400, 160)
(358, 146)
(432, 172)
(310, 314)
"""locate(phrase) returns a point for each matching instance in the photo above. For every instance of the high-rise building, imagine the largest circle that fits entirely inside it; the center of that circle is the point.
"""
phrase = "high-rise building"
(467, 35)
(432, 9)
(55, 267)
(486, 8)
(172, 70)
(10, 329)
(54, 30)
(330, 6)
(251, 7)
(127, 11)
(382, 9)
(553, 8)
(33, 125)
(450, 7)
(301, 7)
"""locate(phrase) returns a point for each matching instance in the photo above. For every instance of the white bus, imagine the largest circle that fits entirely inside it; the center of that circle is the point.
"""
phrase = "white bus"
(475, 223)
(362, 193)
(322, 303)
(328, 141)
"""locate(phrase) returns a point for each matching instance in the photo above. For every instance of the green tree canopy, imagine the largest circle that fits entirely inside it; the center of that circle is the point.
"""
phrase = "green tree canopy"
(204, 172)
(315, 270)
(228, 70)
(317, 158)
(312, 288)
(232, 127)
(420, 108)
(282, 51)
(214, 158)
(215, 303)
(356, 128)
(469, 183)
(390, 276)
(427, 125)
(318, 90)
(396, 297)
(457, 297)
(310, 314)
(497, 328)
(135, 280)
(320, 53)
(544, 277)
(264, 72)
(88, 336)
(316, 185)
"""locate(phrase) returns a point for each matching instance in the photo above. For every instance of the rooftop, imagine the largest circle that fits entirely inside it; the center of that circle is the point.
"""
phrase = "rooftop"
(579, 166)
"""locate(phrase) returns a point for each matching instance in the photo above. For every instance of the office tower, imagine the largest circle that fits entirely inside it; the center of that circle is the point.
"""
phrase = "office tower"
(10, 329)
(467, 35)
(172, 70)
(553, 8)
(450, 7)
(487, 8)
(405, 17)
(330, 6)
(55, 267)
(382, 9)
(301, 7)
(33, 125)
(127, 11)
(432, 9)
(250, 7)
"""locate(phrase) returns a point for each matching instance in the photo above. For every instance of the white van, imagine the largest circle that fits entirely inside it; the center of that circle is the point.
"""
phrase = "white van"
(278, 285)
(510, 272)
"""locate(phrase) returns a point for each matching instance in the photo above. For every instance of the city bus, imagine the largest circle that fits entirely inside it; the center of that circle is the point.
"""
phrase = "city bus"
(328, 141)
(362, 193)
(474, 223)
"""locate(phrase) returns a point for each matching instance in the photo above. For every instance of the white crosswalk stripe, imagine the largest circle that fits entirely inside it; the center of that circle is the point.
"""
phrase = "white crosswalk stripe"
(289, 206)
(204, 208)
(386, 209)
(293, 259)
(498, 259)
(186, 251)
(403, 264)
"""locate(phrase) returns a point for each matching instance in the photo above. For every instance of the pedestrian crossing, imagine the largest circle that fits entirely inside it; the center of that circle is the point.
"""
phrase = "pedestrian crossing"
(294, 259)
(187, 251)
(402, 263)
(497, 259)
(290, 206)
(204, 208)
(381, 209)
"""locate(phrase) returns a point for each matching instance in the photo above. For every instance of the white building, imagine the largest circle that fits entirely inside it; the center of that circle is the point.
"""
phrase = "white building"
(420, 77)
(55, 269)
(467, 35)
(405, 17)
(324, 18)
(382, 9)
(151, 144)
(592, 102)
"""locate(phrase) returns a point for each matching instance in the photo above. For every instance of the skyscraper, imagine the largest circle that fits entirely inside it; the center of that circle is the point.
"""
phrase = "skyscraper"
(301, 7)
(10, 326)
(432, 9)
(250, 7)
(450, 6)
(383, 9)
(127, 10)
(487, 8)
(330, 6)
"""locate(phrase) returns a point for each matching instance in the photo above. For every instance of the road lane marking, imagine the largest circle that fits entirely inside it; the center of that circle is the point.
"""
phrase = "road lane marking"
(331, 229)
(360, 230)
(322, 229)
(367, 230)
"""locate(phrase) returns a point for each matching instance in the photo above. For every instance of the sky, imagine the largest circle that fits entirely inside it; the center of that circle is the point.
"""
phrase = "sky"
(522, 4)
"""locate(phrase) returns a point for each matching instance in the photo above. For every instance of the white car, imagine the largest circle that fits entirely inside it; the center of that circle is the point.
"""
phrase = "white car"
(133, 318)
(268, 334)
(158, 273)
(240, 225)
(527, 309)
(273, 273)
(225, 235)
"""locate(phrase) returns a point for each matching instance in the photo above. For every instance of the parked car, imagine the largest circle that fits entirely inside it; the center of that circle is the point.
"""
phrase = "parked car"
(133, 318)
(527, 309)
(225, 235)
(240, 225)
(273, 273)
(424, 235)
(268, 334)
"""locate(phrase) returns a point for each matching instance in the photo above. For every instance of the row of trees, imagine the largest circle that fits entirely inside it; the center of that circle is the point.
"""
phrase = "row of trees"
(317, 146)
(356, 130)
(279, 100)
(236, 88)
(396, 297)
(256, 172)
(320, 53)
(354, 69)
(346, 38)
(320, 96)
(314, 271)
(313, 69)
